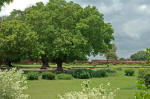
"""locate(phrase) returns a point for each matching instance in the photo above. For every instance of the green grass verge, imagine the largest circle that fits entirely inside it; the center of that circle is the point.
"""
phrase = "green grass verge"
(49, 89)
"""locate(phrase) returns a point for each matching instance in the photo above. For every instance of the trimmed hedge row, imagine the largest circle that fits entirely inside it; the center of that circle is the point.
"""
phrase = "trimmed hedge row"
(79, 73)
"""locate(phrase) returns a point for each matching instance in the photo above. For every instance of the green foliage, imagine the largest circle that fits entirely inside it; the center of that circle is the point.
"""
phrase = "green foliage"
(139, 56)
(32, 75)
(17, 41)
(117, 68)
(143, 72)
(143, 94)
(75, 30)
(129, 72)
(83, 73)
(147, 80)
(12, 85)
(100, 73)
(95, 64)
(68, 67)
(48, 75)
(147, 55)
(111, 54)
(64, 76)
(122, 59)
(143, 83)
(2, 2)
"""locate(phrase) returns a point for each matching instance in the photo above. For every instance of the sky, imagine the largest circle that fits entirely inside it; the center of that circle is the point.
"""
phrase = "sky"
(130, 20)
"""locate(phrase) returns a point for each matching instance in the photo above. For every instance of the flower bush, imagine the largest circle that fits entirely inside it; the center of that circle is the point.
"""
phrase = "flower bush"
(12, 85)
(91, 93)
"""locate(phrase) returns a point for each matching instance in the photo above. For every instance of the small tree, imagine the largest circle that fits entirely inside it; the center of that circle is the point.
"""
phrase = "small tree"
(111, 54)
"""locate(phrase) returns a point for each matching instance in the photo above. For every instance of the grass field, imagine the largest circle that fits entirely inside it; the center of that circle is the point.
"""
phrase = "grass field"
(49, 89)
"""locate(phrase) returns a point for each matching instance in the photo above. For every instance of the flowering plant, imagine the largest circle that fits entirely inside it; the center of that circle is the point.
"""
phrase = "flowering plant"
(91, 93)
(12, 84)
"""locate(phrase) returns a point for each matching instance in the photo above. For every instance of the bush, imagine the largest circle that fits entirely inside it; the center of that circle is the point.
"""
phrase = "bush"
(142, 73)
(32, 75)
(147, 80)
(64, 76)
(100, 73)
(12, 85)
(48, 75)
(83, 73)
(129, 72)
(91, 93)
(110, 71)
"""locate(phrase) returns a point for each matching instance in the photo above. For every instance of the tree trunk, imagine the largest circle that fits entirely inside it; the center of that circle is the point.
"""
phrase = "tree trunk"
(59, 65)
(8, 64)
(44, 62)
(107, 63)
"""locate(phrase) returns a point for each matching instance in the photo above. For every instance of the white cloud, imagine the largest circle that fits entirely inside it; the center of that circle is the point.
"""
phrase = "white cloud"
(116, 6)
(135, 28)
(142, 7)
(18, 4)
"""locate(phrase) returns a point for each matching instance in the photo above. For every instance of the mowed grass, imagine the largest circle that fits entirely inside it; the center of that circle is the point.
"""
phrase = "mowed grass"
(49, 89)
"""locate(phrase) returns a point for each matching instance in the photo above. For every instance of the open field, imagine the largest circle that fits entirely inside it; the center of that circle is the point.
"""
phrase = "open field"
(49, 89)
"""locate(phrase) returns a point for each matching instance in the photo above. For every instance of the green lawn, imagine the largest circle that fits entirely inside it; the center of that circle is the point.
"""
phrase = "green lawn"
(49, 89)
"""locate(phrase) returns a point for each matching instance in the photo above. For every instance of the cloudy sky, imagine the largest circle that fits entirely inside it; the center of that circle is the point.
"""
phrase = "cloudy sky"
(129, 18)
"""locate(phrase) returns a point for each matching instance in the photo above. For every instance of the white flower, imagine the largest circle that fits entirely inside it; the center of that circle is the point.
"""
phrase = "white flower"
(90, 93)
(12, 84)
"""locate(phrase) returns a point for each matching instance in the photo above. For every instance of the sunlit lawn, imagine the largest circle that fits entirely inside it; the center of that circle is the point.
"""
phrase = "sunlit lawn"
(49, 89)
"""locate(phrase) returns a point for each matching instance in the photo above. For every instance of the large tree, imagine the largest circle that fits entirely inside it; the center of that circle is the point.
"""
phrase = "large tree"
(17, 41)
(68, 32)
(138, 56)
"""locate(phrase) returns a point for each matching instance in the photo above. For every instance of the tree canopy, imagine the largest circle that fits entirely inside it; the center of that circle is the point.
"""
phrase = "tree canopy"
(16, 41)
(67, 31)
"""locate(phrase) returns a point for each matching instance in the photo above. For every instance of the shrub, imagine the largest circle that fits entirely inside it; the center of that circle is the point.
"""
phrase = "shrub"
(91, 93)
(100, 73)
(48, 75)
(83, 73)
(12, 85)
(64, 76)
(143, 94)
(147, 80)
(129, 72)
(32, 75)
(142, 73)
(110, 71)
